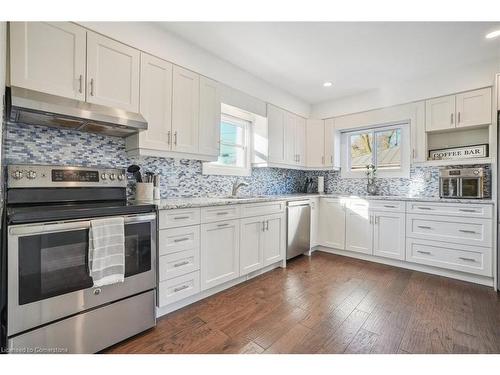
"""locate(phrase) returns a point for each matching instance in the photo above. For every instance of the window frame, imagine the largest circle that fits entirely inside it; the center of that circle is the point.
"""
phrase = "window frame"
(402, 172)
(239, 118)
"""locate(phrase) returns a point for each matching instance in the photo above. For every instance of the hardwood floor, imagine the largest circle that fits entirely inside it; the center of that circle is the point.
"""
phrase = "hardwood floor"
(332, 304)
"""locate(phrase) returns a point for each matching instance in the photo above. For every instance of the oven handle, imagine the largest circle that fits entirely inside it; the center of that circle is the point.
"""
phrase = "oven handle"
(63, 226)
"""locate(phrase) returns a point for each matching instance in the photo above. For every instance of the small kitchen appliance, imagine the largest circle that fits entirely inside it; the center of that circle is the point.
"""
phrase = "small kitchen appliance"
(461, 183)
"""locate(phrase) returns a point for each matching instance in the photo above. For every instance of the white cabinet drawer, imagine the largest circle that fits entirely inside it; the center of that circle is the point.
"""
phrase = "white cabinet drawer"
(451, 209)
(388, 206)
(176, 289)
(261, 209)
(455, 257)
(221, 213)
(179, 218)
(178, 239)
(178, 264)
(467, 231)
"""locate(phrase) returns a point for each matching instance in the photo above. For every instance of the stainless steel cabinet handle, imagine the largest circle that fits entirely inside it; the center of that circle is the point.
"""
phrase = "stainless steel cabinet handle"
(424, 252)
(331, 159)
(181, 239)
(222, 225)
(175, 138)
(181, 217)
(371, 219)
(80, 89)
(267, 224)
(451, 119)
(263, 226)
(377, 219)
(322, 160)
(169, 137)
(222, 213)
(466, 210)
(423, 227)
(467, 259)
(459, 117)
(92, 87)
(424, 208)
(467, 231)
(178, 289)
(181, 263)
(389, 206)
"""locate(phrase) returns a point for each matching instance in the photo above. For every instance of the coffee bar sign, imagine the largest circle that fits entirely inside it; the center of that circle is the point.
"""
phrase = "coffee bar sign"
(466, 152)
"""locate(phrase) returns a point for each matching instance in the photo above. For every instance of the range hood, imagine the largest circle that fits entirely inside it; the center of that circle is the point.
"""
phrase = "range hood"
(38, 108)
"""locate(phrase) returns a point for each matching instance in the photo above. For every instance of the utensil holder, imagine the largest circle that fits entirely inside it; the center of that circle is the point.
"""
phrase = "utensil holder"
(144, 191)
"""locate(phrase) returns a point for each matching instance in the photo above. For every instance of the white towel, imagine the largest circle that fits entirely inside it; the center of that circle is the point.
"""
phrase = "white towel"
(107, 251)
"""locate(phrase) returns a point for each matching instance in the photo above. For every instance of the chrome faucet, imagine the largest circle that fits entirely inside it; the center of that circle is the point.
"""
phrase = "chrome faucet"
(236, 186)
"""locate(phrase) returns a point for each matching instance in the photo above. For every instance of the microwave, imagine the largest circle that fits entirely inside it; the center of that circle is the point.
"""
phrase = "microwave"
(461, 183)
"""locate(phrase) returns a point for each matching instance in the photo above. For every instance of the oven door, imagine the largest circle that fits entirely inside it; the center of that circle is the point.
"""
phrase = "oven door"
(48, 275)
(471, 187)
(449, 187)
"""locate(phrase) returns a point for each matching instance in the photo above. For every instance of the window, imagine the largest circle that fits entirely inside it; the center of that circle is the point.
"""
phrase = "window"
(234, 158)
(385, 147)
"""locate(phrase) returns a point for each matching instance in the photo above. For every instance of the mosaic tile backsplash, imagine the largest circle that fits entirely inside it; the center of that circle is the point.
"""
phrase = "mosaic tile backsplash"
(183, 178)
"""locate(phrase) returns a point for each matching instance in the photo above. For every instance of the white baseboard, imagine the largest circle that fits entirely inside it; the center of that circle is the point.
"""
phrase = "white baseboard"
(483, 280)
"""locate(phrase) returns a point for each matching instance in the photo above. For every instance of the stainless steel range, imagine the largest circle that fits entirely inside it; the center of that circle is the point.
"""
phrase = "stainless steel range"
(52, 305)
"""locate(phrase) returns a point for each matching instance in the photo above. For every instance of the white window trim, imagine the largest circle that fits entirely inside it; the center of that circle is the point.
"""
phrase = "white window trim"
(403, 172)
(213, 168)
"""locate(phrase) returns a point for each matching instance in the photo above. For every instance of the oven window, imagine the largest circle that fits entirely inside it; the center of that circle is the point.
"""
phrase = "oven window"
(470, 187)
(53, 264)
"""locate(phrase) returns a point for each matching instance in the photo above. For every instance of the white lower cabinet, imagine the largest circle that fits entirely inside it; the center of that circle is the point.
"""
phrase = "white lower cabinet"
(389, 234)
(178, 288)
(274, 237)
(359, 230)
(332, 223)
(314, 222)
(251, 254)
(220, 252)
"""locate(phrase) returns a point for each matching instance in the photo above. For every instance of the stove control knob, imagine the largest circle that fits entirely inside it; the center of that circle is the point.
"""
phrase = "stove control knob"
(121, 177)
(112, 176)
(17, 175)
(31, 175)
(103, 176)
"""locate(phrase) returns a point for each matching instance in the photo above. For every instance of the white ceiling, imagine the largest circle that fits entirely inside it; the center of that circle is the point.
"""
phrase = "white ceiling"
(356, 56)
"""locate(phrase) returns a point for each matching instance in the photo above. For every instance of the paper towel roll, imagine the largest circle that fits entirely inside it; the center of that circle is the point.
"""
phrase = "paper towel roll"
(321, 184)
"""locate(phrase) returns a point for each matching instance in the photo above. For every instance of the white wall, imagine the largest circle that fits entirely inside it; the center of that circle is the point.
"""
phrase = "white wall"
(444, 83)
(153, 39)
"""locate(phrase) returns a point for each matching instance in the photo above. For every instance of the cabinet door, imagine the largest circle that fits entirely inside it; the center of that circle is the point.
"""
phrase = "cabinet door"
(440, 113)
(332, 223)
(359, 228)
(329, 142)
(274, 237)
(185, 110)
(300, 140)
(314, 222)
(389, 234)
(220, 252)
(290, 133)
(156, 103)
(210, 110)
(276, 134)
(113, 71)
(315, 141)
(48, 57)
(474, 108)
(251, 255)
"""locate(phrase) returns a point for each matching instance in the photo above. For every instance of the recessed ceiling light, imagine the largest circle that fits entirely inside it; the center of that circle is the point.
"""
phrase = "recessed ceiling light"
(493, 34)
(327, 84)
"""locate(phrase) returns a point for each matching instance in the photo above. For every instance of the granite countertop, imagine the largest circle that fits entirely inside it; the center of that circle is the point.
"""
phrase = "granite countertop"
(188, 202)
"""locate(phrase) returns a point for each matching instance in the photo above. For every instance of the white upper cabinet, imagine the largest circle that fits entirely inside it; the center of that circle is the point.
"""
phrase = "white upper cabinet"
(474, 108)
(276, 134)
(209, 122)
(471, 108)
(290, 132)
(316, 141)
(185, 110)
(440, 113)
(300, 140)
(113, 71)
(48, 57)
(156, 103)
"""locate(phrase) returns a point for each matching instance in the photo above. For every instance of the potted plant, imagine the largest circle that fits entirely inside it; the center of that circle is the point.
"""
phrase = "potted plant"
(371, 171)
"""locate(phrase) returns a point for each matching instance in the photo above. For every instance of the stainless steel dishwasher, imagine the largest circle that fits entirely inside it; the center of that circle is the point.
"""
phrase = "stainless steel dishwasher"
(298, 228)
